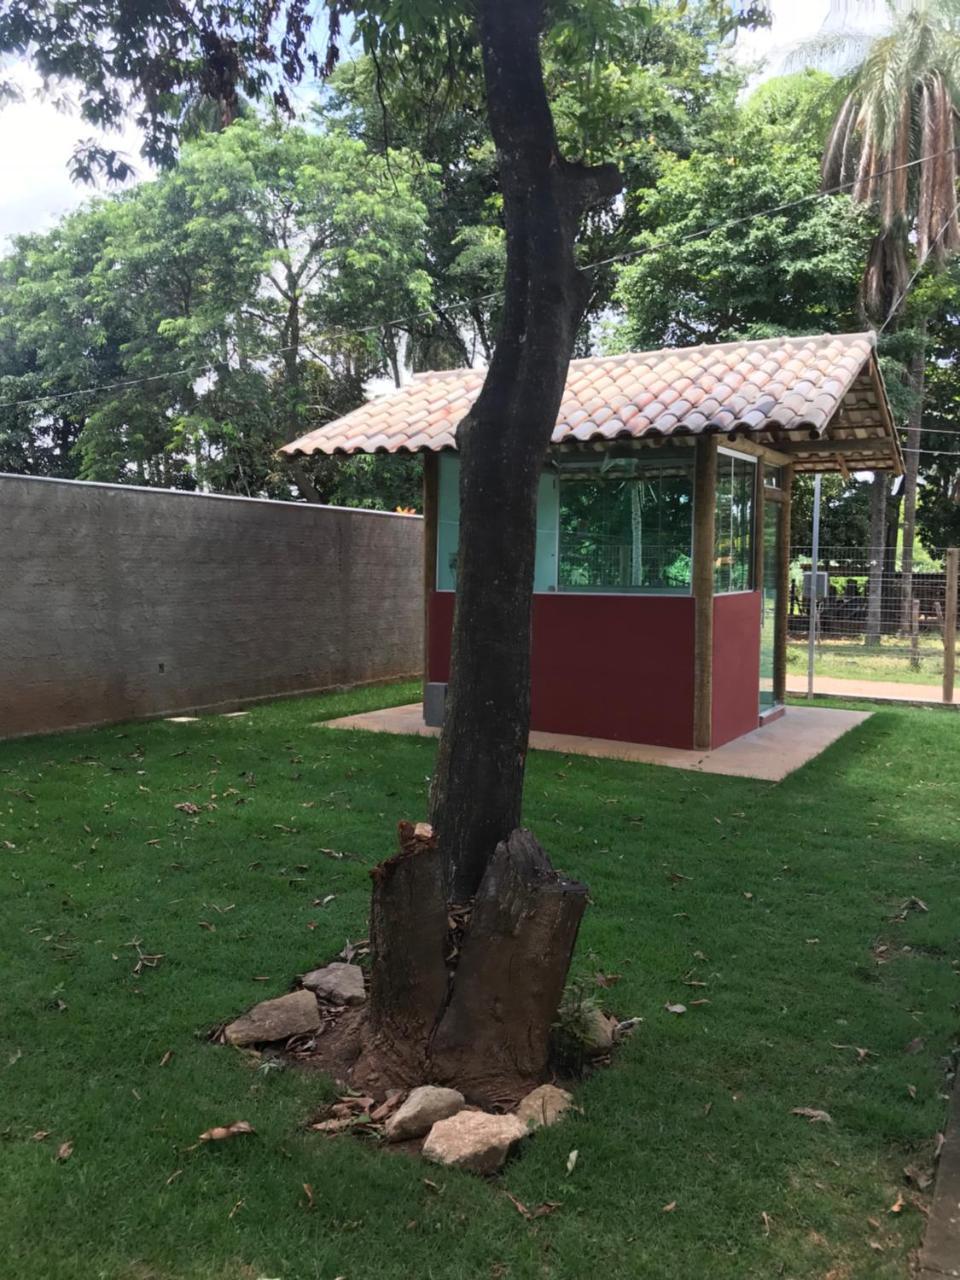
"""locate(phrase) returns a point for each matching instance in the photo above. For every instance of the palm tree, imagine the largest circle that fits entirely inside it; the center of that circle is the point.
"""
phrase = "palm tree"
(894, 140)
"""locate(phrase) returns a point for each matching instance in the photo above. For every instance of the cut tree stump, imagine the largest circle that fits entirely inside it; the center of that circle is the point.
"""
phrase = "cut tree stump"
(408, 976)
(493, 1038)
(464, 994)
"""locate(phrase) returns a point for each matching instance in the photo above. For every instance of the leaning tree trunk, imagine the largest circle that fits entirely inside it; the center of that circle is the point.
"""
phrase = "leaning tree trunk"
(472, 930)
(478, 782)
(917, 381)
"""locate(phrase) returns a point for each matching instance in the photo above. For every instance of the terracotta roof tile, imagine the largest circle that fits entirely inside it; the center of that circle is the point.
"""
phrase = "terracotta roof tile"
(792, 384)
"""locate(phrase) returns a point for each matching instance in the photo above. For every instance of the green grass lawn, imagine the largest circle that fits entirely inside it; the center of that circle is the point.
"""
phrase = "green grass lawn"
(788, 892)
(850, 660)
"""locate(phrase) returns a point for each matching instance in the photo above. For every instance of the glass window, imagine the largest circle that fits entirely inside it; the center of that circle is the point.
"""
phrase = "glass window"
(736, 484)
(625, 525)
(448, 527)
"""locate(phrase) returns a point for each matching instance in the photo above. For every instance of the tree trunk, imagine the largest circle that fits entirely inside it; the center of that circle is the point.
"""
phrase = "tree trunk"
(472, 930)
(876, 556)
(918, 367)
(478, 781)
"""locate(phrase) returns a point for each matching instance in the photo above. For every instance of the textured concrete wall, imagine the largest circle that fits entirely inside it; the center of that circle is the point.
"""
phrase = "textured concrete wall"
(118, 602)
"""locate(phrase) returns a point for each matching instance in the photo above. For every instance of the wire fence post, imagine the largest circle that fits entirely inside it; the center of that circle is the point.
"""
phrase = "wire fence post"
(814, 585)
(950, 623)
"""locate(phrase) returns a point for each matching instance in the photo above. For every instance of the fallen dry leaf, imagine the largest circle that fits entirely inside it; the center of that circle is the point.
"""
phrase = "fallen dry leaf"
(434, 1186)
(176, 1174)
(187, 807)
(912, 1090)
(308, 1192)
(897, 1205)
(40, 1135)
(541, 1211)
(220, 1132)
(166, 1057)
(675, 1008)
(669, 1208)
(938, 1142)
(334, 1126)
(812, 1114)
(765, 1219)
(387, 1107)
(64, 1151)
(572, 1161)
(916, 1045)
(921, 1178)
(606, 980)
(238, 1205)
(205, 924)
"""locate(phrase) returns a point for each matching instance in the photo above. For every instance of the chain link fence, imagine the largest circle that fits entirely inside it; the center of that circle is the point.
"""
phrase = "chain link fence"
(875, 621)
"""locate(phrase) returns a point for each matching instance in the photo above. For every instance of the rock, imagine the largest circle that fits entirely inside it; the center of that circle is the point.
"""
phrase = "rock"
(474, 1140)
(420, 1112)
(290, 1015)
(337, 982)
(544, 1106)
(598, 1032)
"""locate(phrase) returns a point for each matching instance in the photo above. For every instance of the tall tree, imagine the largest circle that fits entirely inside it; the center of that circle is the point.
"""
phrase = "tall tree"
(894, 138)
(718, 271)
(215, 308)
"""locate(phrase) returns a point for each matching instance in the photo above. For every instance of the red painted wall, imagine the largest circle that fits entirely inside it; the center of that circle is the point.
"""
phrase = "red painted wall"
(736, 665)
(603, 666)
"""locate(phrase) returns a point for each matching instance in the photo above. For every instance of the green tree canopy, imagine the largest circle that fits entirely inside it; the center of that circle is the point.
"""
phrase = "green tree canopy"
(792, 271)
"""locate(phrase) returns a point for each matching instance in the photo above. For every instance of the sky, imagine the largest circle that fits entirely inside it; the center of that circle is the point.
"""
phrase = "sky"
(37, 140)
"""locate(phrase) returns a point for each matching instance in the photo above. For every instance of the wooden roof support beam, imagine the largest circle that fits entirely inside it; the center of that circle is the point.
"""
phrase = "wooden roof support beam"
(874, 446)
(773, 457)
(704, 534)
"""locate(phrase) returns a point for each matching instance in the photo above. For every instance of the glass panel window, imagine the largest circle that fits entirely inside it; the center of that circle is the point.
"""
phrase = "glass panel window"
(626, 525)
(448, 527)
(736, 486)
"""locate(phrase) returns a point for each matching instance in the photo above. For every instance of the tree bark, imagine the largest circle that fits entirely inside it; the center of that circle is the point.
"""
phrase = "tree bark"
(918, 367)
(493, 1038)
(478, 780)
(876, 554)
(466, 996)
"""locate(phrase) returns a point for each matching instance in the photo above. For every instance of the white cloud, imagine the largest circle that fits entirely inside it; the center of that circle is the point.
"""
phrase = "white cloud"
(37, 140)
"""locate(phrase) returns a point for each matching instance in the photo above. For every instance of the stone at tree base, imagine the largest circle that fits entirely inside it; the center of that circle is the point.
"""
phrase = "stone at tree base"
(337, 982)
(544, 1106)
(474, 1140)
(291, 1015)
(421, 1110)
(598, 1032)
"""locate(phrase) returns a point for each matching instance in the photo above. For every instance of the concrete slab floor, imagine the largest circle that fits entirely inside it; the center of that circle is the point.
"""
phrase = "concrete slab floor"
(770, 753)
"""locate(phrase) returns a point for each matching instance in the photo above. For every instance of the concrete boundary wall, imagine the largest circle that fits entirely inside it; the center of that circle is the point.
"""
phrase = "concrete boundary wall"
(119, 603)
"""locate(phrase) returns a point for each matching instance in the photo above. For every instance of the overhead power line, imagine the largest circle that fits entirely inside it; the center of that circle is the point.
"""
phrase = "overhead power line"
(726, 224)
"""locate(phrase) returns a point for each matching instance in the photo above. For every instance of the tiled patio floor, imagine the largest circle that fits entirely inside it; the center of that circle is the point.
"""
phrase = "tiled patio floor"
(770, 753)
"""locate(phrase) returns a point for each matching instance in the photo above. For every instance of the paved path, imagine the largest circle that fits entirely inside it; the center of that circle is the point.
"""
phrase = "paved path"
(879, 690)
(770, 753)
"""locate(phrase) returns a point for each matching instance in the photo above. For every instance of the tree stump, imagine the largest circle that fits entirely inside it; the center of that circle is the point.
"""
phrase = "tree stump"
(467, 994)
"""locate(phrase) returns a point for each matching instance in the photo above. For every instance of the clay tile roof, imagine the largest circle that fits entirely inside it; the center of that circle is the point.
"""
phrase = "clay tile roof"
(768, 389)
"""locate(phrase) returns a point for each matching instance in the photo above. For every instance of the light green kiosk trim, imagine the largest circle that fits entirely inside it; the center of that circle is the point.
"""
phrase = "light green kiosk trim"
(448, 526)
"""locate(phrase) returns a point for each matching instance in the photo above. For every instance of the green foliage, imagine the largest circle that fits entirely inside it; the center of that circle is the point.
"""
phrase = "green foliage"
(230, 292)
(793, 271)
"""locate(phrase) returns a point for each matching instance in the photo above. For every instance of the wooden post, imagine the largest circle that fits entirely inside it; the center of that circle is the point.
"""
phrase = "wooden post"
(783, 591)
(431, 475)
(950, 624)
(915, 634)
(759, 519)
(704, 542)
